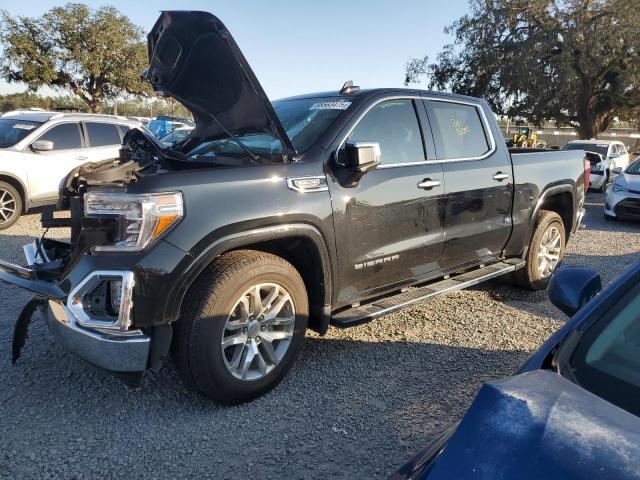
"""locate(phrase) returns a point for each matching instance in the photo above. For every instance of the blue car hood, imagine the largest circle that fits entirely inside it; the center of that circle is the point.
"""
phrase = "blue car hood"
(538, 425)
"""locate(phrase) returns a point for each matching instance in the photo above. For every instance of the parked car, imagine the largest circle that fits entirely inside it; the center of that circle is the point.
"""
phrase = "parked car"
(176, 136)
(571, 411)
(38, 149)
(163, 125)
(270, 218)
(612, 155)
(623, 196)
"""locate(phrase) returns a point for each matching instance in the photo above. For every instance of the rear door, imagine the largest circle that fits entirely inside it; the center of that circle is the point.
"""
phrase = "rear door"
(388, 226)
(103, 141)
(478, 183)
(46, 170)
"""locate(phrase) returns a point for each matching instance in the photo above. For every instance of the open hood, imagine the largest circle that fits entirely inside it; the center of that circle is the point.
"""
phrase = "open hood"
(194, 59)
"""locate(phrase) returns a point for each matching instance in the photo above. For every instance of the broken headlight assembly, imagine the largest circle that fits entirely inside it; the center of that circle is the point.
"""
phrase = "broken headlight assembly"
(140, 219)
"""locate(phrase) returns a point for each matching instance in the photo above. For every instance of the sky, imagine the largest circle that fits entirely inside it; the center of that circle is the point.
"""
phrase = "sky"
(302, 46)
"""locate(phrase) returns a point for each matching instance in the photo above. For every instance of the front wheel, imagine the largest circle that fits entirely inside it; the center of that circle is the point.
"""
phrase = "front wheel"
(242, 327)
(545, 253)
(603, 187)
(10, 205)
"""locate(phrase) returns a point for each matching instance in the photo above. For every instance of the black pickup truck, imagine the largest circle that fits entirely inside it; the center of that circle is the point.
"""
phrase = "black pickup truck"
(270, 218)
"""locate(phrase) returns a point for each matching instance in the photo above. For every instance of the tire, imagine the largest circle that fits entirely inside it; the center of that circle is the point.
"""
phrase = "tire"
(10, 205)
(206, 321)
(603, 188)
(530, 276)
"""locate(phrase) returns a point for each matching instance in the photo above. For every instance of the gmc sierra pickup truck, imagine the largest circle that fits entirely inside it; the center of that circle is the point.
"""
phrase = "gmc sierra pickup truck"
(270, 218)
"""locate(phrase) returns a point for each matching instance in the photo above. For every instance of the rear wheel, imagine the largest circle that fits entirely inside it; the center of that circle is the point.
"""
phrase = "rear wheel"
(10, 205)
(242, 327)
(545, 253)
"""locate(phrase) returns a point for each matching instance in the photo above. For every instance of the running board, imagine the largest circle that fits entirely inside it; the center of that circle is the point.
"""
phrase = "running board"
(383, 306)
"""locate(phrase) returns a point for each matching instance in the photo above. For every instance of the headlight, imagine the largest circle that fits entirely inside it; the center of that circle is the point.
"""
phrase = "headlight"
(141, 219)
(619, 188)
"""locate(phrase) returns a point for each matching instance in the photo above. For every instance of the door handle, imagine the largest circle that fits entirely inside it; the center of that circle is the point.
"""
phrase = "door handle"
(82, 158)
(500, 176)
(428, 184)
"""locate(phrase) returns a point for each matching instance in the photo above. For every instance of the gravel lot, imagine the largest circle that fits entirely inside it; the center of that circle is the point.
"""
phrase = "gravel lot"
(358, 404)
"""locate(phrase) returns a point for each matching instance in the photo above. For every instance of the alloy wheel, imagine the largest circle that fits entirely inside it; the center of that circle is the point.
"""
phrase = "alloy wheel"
(258, 331)
(7, 206)
(549, 251)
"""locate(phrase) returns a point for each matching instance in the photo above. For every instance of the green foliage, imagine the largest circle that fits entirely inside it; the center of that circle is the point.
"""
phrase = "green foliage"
(97, 55)
(575, 62)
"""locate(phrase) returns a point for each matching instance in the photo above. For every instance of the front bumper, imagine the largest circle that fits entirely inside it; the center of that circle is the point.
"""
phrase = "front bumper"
(622, 205)
(124, 352)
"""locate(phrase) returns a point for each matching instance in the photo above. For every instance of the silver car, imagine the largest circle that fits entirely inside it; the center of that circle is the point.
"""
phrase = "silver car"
(623, 196)
(38, 149)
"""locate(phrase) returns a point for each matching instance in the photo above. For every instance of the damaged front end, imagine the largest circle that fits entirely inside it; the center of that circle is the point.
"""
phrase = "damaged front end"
(84, 292)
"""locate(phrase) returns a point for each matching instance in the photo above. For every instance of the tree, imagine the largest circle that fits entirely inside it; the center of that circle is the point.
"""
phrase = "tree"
(96, 54)
(575, 62)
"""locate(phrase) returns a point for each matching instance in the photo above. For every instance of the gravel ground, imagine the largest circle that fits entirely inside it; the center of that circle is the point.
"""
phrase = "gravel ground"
(358, 404)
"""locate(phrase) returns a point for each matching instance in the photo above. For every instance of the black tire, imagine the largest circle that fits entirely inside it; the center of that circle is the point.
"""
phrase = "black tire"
(529, 276)
(197, 342)
(10, 205)
(603, 188)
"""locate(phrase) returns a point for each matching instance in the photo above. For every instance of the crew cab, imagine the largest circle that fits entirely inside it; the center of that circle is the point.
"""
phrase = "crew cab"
(325, 209)
(38, 149)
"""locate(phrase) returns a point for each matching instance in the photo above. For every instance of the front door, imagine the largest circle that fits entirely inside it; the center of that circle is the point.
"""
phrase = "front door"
(47, 170)
(389, 226)
(479, 183)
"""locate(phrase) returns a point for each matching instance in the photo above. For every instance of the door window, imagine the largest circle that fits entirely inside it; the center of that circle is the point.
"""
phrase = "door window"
(394, 125)
(102, 134)
(607, 359)
(458, 130)
(65, 136)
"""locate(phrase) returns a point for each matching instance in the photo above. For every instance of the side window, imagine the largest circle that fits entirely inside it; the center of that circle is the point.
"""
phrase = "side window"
(458, 130)
(65, 136)
(102, 134)
(394, 125)
(124, 129)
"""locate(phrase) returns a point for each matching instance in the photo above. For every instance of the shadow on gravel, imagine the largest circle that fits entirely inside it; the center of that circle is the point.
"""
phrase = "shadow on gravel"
(347, 409)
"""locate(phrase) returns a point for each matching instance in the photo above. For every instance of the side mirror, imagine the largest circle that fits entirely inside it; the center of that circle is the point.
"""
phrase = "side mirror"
(356, 159)
(362, 156)
(42, 146)
(617, 170)
(571, 288)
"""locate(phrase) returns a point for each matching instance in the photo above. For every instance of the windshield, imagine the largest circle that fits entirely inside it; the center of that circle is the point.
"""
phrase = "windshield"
(12, 130)
(304, 120)
(633, 168)
(600, 148)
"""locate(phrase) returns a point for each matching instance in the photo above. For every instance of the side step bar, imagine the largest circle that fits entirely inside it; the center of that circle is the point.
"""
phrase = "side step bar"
(383, 306)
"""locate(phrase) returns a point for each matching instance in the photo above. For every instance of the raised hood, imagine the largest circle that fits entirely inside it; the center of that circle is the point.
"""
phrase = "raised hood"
(194, 59)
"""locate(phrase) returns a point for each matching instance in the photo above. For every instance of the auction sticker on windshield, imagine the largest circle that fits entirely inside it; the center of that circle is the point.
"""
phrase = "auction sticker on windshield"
(336, 105)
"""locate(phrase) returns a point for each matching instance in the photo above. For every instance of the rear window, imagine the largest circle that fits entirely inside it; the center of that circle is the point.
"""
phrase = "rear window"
(458, 130)
(102, 134)
(14, 130)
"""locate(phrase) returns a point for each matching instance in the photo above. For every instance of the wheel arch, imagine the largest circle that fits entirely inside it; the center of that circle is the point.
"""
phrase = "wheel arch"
(560, 199)
(302, 245)
(16, 183)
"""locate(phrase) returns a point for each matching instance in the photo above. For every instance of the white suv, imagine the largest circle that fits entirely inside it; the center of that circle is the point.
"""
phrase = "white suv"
(38, 150)
(613, 155)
